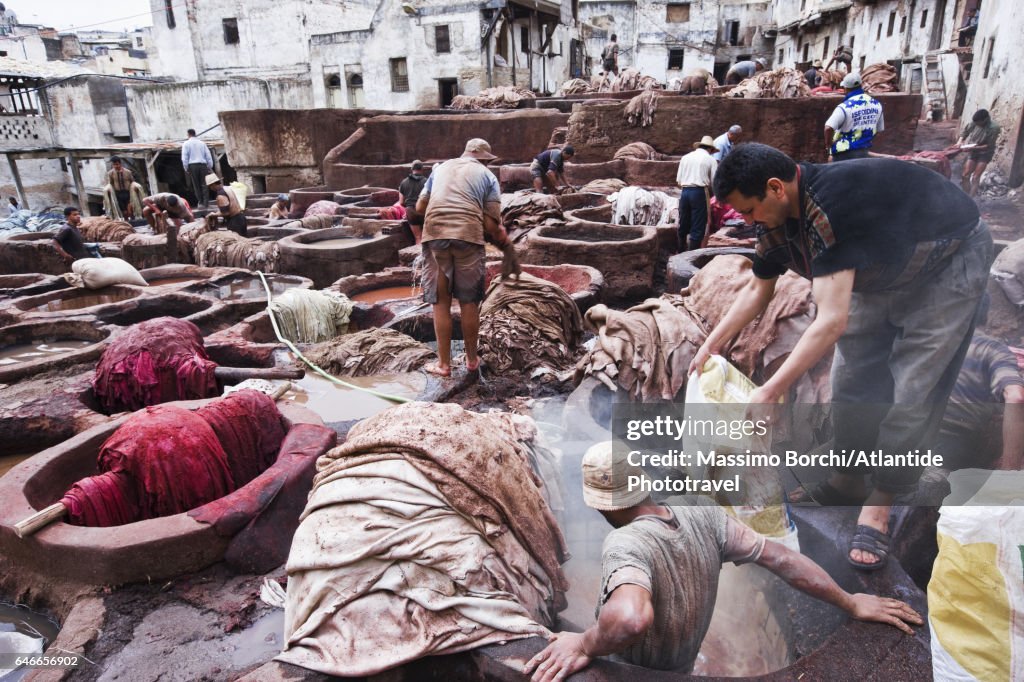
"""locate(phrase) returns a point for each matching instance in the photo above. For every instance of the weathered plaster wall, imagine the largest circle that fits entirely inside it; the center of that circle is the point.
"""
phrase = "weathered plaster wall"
(166, 111)
(996, 83)
(171, 52)
(792, 125)
(42, 179)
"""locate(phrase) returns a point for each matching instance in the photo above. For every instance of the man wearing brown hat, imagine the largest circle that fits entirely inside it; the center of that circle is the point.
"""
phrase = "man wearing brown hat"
(659, 576)
(229, 206)
(695, 173)
(461, 204)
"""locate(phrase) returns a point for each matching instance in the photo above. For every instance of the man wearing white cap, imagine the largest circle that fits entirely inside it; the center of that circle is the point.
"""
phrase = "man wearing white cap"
(695, 173)
(461, 204)
(853, 125)
(659, 577)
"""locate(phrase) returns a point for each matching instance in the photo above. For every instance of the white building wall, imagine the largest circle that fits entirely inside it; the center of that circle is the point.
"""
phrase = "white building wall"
(24, 43)
(171, 50)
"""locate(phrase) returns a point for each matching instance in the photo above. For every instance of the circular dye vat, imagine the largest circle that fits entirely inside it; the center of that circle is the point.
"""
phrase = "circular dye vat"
(77, 299)
(29, 348)
(249, 287)
(337, 404)
(388, 294)
(338, 242)
(166, 281)
(29, 352)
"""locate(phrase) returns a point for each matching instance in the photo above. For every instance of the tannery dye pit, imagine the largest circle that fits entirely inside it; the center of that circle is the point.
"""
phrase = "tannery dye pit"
(29, 352)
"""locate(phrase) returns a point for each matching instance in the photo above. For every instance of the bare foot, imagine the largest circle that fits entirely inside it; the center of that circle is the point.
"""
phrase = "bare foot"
(437, 369)
(473, 366)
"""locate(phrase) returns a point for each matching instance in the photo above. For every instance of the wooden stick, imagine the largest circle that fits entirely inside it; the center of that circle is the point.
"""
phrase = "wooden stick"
(236, 375)
(40, 520)
(281, 390)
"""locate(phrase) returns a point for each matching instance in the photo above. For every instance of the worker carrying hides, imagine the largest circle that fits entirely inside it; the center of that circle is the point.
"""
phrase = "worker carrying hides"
(426, 533)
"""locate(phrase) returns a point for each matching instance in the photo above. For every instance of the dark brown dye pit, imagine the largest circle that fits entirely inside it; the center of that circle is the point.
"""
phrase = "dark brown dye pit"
(28, 352)
(83, 299)
(387, 294)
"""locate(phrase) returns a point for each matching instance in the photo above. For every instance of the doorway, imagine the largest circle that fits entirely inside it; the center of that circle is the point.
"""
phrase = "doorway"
(447, 88)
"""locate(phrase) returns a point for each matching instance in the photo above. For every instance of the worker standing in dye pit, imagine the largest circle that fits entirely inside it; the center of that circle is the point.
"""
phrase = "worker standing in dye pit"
(548, 169)
(229, 206)
(898, 259)
(694, 175)
(410, 189)
(659, 577)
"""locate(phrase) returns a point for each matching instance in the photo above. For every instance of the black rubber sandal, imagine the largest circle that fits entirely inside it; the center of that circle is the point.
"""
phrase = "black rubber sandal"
(825, 494)
(873, 541)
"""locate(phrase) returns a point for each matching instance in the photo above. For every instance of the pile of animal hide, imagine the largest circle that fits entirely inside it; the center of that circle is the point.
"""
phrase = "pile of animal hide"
(603, 186)
(24, 221)
(645, 350)
(189, 234)
(638, 150)
(640, 110)
(113, 210)
(576, 86)
(102, 229)
(938, 161)
(396, 212)
(880, 78)
(525, 210)
(226, 248)
(324, 207)
(529, 324)
(153, 362)
(501, 97)
(632, 79)
(426, 533)
(370, 352)
(315, 222)
(308, 316)
(638, 206)
(783, 83)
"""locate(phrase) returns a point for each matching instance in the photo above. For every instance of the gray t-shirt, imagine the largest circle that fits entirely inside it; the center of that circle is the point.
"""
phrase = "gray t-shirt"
(744, 69)
(678, 562)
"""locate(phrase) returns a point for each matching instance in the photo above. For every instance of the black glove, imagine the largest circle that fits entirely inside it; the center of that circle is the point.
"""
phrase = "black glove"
(510, 262)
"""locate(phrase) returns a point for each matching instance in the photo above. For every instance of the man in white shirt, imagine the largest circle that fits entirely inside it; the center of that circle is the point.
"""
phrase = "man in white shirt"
(198, 163)
(696, 171)
(726, 140)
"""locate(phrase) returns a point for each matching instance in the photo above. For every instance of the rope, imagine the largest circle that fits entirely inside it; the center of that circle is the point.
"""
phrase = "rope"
(315, 368)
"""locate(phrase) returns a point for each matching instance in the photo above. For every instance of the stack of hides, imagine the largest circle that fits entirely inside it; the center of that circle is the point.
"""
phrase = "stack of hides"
(395, 212)
(645, 350)
(778, 84)
(102, 229)
(629, 79)
(529, 324)
(525, 210)
(370, 352)
(190, 233)
(226, 248)
(426, 533)
(576, 86)
(167, 460)
(638, 150)
(501, 97)
(638, 206)
(324, 207)
(603, 186)
(154, 362)
(307, 316)
(640, 110)
(113, 209)
(880, 78)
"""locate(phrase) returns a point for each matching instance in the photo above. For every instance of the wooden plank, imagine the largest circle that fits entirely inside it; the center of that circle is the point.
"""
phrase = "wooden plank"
(22, 197)
(76, 175)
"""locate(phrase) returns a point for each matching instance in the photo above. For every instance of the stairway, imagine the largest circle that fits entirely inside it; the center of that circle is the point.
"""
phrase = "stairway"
(935, 85)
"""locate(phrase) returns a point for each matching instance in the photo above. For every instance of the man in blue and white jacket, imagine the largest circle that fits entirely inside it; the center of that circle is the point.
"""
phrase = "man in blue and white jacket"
(852, 127)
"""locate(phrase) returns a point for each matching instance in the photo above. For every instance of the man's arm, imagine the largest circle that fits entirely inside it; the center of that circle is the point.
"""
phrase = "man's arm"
(1012, 458)
(64, 255)
(624, 619)
(832, 295)
(751, 302)
(808, 577)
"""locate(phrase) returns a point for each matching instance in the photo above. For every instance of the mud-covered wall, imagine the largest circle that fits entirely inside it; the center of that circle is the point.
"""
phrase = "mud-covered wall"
(795, 126)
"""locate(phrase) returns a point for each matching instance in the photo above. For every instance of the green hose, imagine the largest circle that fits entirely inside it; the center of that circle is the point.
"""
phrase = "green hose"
(298, 353)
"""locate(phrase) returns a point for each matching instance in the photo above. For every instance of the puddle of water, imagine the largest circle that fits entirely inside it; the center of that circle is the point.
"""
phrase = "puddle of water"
(387, 294)
(336, 403)
(18, 623)
(249, 287)
(8, 462)
(84, 299)
(27, 352)
(260, 642)
(332, 243)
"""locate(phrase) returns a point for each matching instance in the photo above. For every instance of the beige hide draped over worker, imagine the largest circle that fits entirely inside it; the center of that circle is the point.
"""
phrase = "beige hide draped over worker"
(426, 533)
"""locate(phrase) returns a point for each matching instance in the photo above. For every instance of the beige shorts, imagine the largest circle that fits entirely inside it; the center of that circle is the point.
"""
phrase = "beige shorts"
(462, 264)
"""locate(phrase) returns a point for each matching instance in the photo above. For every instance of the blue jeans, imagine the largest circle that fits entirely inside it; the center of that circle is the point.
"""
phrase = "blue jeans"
(899, 358)
(693, 216)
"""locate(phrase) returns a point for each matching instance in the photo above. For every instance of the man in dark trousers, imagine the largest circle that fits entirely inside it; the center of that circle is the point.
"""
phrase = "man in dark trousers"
(610, 56)
(898, 266)
(548, 169)
(410, 190)
(198, 162)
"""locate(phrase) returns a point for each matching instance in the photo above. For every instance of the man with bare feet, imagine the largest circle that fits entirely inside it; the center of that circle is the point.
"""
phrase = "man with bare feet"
(461, 203)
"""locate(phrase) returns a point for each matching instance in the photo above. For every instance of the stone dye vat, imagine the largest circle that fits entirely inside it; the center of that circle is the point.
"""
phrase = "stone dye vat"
(240, 294)
(303, 197)
(144, 550)
(75, 301)
(16, 286)
(625, 255)
(177, 276)
(33, 347)
(327, 255)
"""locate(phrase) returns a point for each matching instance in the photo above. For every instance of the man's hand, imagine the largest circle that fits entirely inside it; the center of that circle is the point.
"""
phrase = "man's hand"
(762, 404)
(699, 358)
(560, 659)
(893, 612)
(510, 263)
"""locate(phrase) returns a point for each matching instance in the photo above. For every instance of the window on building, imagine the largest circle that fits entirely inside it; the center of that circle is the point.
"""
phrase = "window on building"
(806, 46)
(442, 39)
(399, 75)
(878, 36)
(3, 53)
(988, 59)
(824, 48)
(924, 18)
(732, 32)
(524, 38)
(675, 58)
(169, 13)
(862, 59)
(230, 31)
(677, 12)
(851, 42)
(782, 54)
(333, 80)
(138, 41)
(903, 23)
(892, 24)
